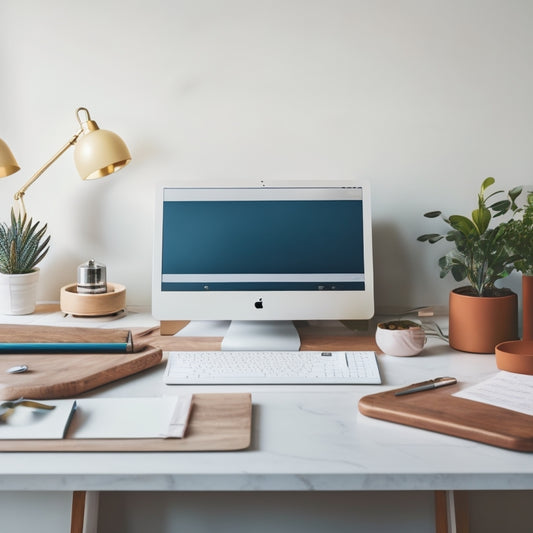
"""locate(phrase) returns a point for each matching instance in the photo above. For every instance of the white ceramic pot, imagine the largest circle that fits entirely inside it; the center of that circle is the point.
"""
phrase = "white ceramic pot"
(18, 293)
(400, 342)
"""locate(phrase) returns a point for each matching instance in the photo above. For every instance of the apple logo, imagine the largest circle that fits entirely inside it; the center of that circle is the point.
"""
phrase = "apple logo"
(259, 304)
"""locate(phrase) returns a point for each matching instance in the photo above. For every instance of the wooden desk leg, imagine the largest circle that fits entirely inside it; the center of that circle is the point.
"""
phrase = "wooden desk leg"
(78, 511)
(451, 511)
(441, 512)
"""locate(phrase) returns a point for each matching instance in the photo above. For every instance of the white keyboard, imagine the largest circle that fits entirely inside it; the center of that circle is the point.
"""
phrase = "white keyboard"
(222, 368)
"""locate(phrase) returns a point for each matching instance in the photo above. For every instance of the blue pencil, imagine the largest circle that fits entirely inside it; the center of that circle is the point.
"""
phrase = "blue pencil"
(64, 347)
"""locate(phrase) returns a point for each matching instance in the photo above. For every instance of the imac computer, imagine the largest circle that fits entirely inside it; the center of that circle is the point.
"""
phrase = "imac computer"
(263, 256)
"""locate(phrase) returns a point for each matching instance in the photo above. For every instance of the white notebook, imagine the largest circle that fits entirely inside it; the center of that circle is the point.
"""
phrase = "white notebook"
(102, 418)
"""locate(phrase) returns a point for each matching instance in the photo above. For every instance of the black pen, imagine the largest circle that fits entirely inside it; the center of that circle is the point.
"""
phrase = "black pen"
(427, 385)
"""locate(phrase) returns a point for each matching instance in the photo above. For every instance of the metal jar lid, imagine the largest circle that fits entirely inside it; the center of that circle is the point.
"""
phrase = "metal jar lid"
(92, 278)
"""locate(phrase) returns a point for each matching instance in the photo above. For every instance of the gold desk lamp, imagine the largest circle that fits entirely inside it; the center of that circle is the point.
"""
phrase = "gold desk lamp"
(97, 153)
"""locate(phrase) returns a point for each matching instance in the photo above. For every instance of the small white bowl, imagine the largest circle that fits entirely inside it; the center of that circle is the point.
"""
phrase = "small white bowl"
(393, 339)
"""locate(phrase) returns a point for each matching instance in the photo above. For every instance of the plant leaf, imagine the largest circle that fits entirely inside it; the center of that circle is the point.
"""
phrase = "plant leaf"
(487, 182)
(481, 218)
(430, 237)
(464, 225)
(432, 214)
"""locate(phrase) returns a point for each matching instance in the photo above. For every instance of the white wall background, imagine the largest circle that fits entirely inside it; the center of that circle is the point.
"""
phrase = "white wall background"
(423, 98)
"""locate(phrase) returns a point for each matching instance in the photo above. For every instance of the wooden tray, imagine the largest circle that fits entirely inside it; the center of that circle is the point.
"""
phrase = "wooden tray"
(219, 422)
(67, 375)
(437, 410)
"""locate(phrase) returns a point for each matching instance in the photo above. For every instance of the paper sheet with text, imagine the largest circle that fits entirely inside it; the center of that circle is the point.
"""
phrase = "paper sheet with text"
(504, 389)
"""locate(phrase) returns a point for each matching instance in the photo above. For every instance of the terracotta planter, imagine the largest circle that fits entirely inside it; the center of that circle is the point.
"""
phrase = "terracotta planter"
(478, 324)
(527, 308)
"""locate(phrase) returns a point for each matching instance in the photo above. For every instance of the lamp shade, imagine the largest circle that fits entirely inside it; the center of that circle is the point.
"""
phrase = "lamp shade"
(8, 163)
(99, 153)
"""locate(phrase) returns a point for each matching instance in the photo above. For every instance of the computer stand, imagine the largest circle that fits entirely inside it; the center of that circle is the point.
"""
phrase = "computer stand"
(259, 335)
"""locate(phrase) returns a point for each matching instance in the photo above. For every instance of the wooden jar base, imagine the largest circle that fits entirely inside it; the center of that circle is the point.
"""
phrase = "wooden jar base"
(107, 303)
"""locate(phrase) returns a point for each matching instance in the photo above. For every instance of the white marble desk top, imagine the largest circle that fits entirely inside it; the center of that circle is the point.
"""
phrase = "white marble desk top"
(304, 438)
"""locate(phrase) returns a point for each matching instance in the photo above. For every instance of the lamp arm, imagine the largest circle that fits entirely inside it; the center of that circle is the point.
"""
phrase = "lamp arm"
(20, 193)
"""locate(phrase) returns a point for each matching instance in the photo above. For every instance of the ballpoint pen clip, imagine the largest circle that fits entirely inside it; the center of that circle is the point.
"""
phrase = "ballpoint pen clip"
(442, 382)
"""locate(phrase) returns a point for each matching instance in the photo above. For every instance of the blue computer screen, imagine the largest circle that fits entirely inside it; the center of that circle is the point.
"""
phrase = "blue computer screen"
(265, 245)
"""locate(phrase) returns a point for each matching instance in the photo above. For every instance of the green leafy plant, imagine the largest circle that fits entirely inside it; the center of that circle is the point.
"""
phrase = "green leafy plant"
(22, 244)
(481, 254)
(519, 238)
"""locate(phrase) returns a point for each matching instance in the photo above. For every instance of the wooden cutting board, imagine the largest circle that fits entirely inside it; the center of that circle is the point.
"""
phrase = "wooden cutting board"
(69, 375)
(437, 410)
(218, 422)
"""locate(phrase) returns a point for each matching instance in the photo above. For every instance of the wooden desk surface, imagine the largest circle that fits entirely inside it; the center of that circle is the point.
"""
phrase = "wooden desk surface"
(310, 339)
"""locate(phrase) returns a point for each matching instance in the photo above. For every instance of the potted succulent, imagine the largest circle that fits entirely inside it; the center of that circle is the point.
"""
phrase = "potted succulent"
(23, 244)
(481, 314)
